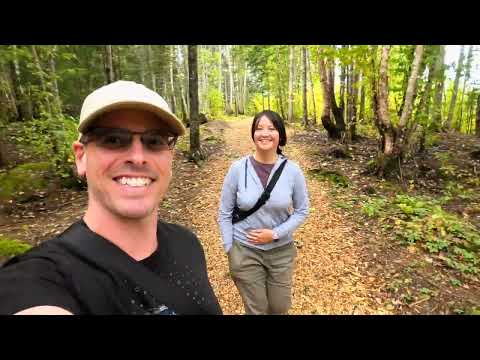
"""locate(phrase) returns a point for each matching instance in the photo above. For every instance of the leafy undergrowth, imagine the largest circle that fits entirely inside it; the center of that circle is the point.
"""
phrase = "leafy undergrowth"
(428, 221)
(10, 247)
(421, 220)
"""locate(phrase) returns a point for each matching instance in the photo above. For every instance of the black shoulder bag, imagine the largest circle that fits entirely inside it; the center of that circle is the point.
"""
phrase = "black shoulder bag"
(239, 215)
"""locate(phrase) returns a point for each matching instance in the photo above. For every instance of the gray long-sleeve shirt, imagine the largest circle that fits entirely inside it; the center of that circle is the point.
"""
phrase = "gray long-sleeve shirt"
(289, 192)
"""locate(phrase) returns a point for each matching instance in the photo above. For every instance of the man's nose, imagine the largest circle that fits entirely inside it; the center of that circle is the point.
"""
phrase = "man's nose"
(136, 151)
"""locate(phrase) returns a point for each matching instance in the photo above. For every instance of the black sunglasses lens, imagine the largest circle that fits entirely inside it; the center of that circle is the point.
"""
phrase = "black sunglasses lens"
(113, 138)
(158, 141)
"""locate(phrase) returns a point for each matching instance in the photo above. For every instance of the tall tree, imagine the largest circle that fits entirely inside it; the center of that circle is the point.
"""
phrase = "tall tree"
(394, 139)
(423, 109)
(453, 100)
(352, 98)
(361, 111)
(326, 79)
(43, 82)
(466, 78)
(220, 68)
(196, 153)
(109, 71)
(477, 127)
(230, 80)
(304, 78)
(312, 89)
(337, 111)
(151, 69)
(280, 87)
(439, 87)
(291, 67)
(182, 74)
(173, 79)
(53, 76)
(22, 101)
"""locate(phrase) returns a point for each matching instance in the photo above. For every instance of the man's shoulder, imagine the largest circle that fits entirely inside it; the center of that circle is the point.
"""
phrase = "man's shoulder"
(45, 254)
(175, 229)
(39, 257)
(178, 236)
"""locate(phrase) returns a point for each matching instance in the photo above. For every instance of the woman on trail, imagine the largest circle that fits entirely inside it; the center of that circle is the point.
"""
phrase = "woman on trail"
(256, 234)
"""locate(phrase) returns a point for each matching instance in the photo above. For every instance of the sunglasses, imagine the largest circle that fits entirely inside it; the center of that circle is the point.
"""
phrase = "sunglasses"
(117, 139)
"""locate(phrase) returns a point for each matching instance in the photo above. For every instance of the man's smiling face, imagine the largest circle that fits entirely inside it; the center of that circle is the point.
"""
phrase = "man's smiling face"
(128, 182)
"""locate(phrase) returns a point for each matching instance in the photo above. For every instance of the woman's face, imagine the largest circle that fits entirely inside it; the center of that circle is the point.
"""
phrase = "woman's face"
(266, 136)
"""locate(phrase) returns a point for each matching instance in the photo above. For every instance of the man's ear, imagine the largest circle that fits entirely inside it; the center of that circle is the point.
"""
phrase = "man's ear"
(80, 158)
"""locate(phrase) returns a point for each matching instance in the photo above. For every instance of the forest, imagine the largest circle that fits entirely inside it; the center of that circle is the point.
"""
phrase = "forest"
(388, 136)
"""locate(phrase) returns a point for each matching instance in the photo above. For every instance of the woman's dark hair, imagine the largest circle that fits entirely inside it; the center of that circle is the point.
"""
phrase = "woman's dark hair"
(277, 122)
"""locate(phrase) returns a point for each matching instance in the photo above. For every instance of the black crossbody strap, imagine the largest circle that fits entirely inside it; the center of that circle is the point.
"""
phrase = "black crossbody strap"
(239, 215)
(109, 259)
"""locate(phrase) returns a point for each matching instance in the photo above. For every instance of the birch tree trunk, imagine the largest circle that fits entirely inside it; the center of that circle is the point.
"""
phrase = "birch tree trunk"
(185, 95)
(439, 85)
(109, 72)
(424, 106)
(312, 88)
(230, 77)
(477, 125)
(220, 69)
(394, 140)
(352, 103)
(53, 75)
(341, 103)
(173, 78)
(41, 76)
(117, 63)
(243, 94)
(465, 80)
(9, 93)
(453, 100)
(291, 67)
(361, 112)
(281, 98)
(151, 69)
(141, 55)
(304, 83)
(23, 103)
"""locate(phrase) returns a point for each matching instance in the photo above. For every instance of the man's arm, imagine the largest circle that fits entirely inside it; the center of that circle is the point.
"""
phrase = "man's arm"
(44, 310)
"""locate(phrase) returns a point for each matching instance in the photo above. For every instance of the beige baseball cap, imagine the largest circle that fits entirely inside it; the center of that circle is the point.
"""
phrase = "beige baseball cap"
(127, 95)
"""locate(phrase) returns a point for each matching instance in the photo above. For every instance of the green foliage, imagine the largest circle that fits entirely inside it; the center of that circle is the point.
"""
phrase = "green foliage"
(432, 139)
(334, 177)
(474, 310)
(455, 282)
(51, 138)
(10, 247)
(447, 169)
(422, 220)
(255, 104)
(373, 207)
(216, 103)
(453, 190)
(23, 181)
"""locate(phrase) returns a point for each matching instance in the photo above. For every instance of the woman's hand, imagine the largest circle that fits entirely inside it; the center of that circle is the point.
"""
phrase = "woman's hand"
(260, 236)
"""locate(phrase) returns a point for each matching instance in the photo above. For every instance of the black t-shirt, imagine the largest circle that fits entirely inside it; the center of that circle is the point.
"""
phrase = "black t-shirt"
(51, 274)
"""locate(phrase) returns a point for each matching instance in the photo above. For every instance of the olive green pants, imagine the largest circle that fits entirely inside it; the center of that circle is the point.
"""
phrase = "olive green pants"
(263, 278)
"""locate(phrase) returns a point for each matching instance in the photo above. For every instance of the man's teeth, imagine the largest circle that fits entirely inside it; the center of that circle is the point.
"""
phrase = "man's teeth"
(134, 181)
